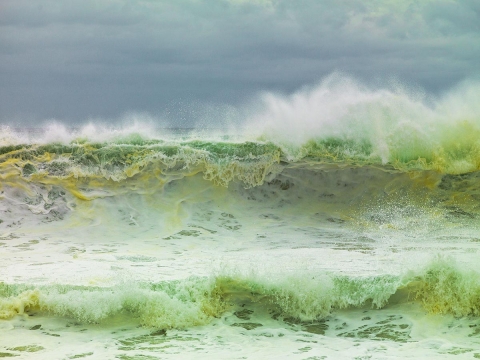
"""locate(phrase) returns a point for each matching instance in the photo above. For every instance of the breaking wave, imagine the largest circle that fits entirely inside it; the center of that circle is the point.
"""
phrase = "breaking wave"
(442, 287)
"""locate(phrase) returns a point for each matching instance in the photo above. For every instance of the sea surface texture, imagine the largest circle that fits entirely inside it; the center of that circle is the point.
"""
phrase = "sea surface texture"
(338, 223)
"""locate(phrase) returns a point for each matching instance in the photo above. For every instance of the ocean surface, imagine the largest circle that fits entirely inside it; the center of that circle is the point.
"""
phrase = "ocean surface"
(338, 223)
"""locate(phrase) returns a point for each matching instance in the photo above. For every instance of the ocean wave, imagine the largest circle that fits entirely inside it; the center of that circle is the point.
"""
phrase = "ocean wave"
(222, 162)
(340, 120)
(441, 287)
(50, 182)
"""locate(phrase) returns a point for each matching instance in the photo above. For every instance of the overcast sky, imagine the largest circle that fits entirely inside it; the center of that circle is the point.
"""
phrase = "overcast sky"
(75, 60)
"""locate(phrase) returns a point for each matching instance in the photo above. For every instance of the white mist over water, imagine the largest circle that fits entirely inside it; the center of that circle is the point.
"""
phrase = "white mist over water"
(393, 118)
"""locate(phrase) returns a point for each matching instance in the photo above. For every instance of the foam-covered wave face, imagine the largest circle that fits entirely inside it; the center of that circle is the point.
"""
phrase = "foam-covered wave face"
(47, 182)
(441, 287)
(342, 119)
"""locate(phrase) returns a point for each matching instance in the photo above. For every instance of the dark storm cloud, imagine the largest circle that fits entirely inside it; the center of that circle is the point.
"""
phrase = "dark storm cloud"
(75, 59)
